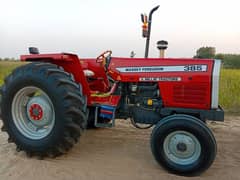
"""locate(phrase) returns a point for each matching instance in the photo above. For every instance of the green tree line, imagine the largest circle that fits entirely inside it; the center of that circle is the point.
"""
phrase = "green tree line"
(228, 60)
(8, 59)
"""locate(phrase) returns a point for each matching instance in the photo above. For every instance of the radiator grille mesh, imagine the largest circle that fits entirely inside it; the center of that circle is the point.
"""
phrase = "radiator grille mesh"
(192, 94)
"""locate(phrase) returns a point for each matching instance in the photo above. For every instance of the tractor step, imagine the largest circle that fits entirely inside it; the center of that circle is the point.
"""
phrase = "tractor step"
(107, 112)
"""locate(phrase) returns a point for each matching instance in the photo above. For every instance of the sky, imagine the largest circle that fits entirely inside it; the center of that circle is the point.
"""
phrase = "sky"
(89, 27)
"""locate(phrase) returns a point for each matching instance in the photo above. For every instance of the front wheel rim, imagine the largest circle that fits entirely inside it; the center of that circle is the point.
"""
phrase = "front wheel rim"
(33, 113)
(182, 148)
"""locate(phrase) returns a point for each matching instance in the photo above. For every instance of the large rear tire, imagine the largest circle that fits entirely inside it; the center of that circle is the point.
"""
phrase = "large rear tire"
(43, 109)
(183, 144)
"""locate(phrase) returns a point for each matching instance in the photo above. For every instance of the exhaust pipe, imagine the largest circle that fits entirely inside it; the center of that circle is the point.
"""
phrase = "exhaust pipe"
(149, 23)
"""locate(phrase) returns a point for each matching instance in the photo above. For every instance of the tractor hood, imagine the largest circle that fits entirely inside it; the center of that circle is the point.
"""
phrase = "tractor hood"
(190, 83)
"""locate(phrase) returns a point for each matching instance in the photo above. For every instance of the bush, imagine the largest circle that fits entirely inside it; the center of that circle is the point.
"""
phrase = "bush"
(229, 60)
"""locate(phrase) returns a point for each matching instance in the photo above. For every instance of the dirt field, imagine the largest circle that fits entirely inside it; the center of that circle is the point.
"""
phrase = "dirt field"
(119, 153)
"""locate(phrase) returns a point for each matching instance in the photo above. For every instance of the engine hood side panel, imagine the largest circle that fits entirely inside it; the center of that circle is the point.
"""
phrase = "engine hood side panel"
(185, 83)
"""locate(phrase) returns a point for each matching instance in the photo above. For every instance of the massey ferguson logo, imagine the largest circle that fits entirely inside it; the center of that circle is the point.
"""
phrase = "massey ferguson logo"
(186, 68)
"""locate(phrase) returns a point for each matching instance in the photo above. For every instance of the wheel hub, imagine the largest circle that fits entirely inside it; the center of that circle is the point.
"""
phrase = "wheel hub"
(36, 112)
(33, 112)
(182, 147)
(39, 111)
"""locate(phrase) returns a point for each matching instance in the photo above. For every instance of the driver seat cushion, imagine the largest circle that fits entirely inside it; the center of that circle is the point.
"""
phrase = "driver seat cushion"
(88, 73)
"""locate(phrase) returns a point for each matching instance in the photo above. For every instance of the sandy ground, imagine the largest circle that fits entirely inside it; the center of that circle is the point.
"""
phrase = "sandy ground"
(122, 153)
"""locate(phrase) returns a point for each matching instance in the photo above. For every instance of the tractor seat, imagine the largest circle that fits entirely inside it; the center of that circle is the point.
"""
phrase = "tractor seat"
(88, 73)
(97, 83)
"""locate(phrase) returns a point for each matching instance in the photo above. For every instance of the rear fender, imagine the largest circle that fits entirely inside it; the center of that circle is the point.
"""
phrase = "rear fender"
(69, 62)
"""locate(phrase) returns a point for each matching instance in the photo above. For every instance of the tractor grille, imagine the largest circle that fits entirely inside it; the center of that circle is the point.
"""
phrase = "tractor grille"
(190, 94)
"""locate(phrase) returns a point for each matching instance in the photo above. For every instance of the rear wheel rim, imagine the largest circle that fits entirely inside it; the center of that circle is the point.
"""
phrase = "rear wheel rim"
(33, 113)
(182, 148)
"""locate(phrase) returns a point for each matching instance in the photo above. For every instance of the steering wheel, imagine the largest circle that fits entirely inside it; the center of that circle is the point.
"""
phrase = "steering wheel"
(101, 59)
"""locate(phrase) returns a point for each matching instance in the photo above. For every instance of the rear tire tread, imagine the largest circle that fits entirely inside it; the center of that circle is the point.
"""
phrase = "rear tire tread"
(75, 117)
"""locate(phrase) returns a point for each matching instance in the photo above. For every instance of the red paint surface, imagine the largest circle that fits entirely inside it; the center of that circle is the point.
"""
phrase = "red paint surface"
(174, 94)
(193, 91)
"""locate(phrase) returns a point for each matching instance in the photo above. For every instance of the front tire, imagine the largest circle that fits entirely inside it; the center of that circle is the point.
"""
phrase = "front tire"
(183, 144)
(43, 109)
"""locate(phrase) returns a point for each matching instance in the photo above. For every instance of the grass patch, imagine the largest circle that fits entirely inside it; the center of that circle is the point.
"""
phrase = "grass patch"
(229, 95)
(6, 67)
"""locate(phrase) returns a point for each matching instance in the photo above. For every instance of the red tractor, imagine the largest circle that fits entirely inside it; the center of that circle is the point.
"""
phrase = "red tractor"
(48, 103)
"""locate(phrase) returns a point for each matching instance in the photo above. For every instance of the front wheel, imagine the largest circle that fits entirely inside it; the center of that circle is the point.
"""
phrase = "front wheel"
(183, 144)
